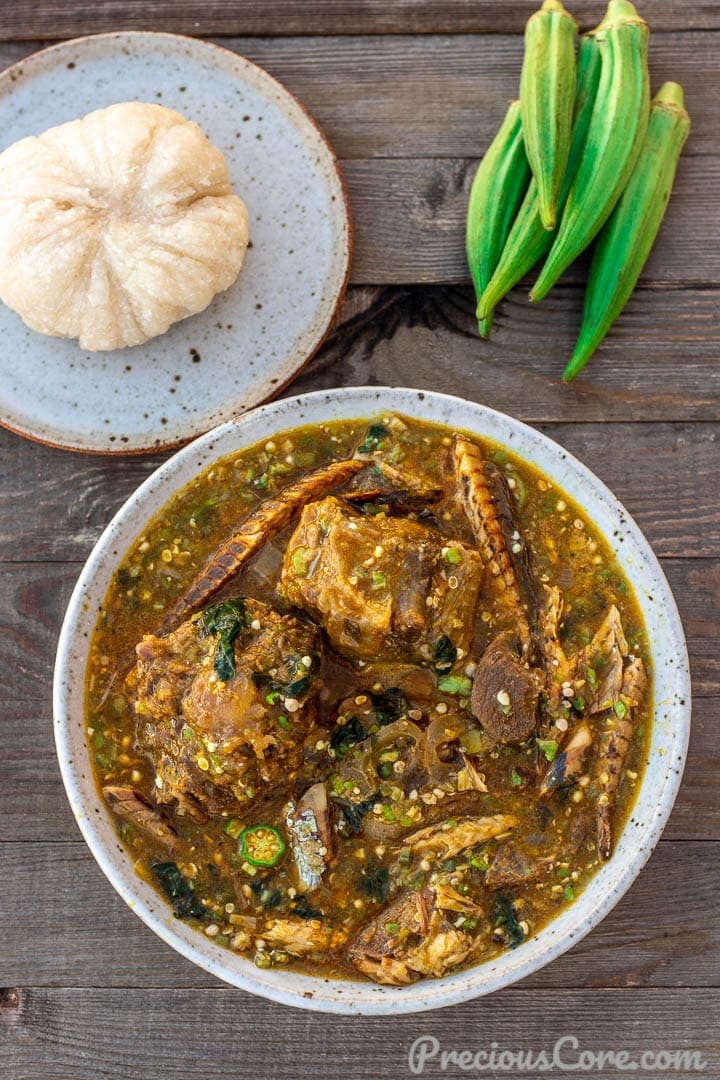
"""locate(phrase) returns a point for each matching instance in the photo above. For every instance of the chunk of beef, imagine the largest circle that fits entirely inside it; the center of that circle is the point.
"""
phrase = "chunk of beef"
(266, 521)
(380, 586)
(208, 697)
(513, 865)
(505, 693)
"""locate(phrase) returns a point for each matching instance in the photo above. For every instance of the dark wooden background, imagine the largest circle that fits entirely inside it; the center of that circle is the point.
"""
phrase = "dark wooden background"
(410, 93)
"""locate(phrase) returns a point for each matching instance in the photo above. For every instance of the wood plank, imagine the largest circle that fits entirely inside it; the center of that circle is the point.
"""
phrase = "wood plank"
(659, 362)
(439, 96)
(32, 800)
(412, 217)
(674, 502)
(53, 18)
(428, 97)
(83, 934)
(94, 1034)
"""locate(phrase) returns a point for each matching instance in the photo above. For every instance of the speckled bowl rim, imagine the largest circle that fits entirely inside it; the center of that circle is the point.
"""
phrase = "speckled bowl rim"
(656, 794)
(6, 73)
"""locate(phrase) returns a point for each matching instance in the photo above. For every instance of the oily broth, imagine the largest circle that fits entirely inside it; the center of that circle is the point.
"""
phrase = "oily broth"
(175, 545)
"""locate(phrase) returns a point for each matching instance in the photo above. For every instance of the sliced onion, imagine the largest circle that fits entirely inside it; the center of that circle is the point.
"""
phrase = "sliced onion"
(440, 734)
(400, 731)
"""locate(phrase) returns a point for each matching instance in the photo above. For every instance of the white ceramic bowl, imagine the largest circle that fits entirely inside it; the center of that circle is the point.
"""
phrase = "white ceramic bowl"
(656, 794)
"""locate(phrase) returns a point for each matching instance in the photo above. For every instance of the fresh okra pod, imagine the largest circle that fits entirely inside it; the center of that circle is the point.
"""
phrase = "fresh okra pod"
(625, 242)
(529, 240)
(616, 133)
(497, 190)
(547, 90)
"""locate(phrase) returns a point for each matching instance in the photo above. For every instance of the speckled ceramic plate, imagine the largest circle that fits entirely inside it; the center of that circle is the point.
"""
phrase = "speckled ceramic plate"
(253, 338)
(655, 796)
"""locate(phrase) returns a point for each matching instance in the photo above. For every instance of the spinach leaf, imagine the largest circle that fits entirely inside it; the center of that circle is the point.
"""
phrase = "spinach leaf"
(225, 620)
(505, 916)
(268, 897)
(444, 655)
(178, 891)
(203, 514)
(293, 681)
(373, 439)
(346, 735)
(303, 909)
(376, 882)
(354, 812)
(389, 705)
(301, 677)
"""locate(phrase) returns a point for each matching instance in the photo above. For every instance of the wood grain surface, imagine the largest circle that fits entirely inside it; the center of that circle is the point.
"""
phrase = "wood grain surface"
(410, 94)
(25, 19)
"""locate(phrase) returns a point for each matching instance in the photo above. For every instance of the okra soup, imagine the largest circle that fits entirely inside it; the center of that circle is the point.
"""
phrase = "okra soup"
(371, 699)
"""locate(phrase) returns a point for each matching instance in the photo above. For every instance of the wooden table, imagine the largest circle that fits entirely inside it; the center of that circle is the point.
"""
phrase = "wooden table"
(410, 94)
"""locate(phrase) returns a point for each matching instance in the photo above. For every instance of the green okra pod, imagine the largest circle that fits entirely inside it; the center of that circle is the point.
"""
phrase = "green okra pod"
(626, 240)
(615, 134)
(547, 91)
(497, 190)
(529, 240)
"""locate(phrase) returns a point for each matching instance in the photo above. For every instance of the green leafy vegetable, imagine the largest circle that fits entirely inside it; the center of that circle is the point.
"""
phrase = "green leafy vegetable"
(389, 705)
(225, 620)
(444, 655)
(302, 908)
(354, 812)
(373, 440)
(376, 882)
(178, 891)
(506, 917)
(346, 735)
(292, 681)
(298, 676)
(203, 514)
